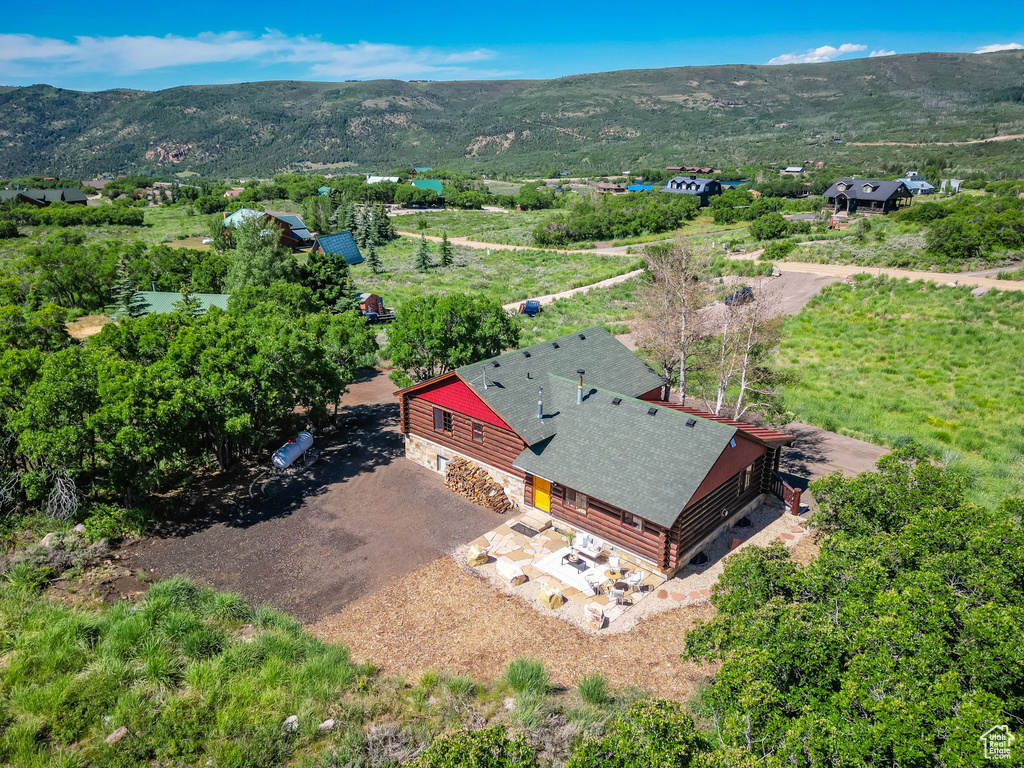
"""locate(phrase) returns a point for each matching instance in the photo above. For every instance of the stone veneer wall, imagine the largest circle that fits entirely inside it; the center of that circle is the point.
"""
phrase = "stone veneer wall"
(425, 452)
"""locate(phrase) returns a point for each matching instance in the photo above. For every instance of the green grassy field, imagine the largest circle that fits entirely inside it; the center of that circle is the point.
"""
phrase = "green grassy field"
(512, 228)
(611, 307)
(189, 677)
(895, 362)
(504, 275)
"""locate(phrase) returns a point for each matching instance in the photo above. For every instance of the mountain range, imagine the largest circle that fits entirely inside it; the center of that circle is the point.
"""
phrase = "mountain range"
(605, 122)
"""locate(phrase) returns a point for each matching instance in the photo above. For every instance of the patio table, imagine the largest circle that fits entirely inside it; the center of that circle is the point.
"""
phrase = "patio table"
(613, 575)
(580, 566)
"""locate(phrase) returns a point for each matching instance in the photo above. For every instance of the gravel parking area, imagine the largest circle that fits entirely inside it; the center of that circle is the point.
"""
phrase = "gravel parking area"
(360, 518)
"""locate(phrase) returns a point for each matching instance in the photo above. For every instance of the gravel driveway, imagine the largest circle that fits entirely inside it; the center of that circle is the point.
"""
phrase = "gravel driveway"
(359, 519)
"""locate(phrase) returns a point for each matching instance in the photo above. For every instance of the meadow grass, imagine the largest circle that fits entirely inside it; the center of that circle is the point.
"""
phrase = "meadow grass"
(503, 275)
(901, 362)
(527, 677)
(611, 307)
(512, 228)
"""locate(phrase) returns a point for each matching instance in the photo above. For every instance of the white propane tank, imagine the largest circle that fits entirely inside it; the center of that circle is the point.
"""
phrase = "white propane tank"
(286, 455)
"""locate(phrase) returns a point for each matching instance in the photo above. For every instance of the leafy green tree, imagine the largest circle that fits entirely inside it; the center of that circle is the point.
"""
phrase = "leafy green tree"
(436, 334)
(771, 226)
(446, 251)
(327, 275)
(260, 259)
(898, 644)
(423, 260)
(373, 259)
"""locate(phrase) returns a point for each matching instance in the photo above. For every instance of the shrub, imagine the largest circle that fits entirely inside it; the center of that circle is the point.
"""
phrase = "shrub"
(461, 685)
(769, 227)
(778, 250)
(8, 229)
(107, 521)
(33, 578)
(593, 689)
(526, 676)
(486, 748)
(651, 734)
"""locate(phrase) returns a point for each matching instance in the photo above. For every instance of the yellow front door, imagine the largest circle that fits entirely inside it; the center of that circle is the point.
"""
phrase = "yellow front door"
(542, 494)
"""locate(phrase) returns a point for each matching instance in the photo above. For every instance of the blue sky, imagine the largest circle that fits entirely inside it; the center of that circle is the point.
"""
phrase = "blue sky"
(151, 45)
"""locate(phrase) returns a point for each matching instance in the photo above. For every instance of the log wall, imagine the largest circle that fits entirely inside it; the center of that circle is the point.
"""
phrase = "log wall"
(500, 447)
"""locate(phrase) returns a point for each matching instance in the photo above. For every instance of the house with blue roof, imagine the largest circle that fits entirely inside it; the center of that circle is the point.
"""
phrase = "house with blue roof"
(340, 243)
(640, 188)
(917, 184)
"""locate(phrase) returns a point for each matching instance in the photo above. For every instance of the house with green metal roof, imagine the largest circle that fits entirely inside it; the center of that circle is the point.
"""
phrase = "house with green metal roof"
(163, 302)
(576, 429)
(433, 184)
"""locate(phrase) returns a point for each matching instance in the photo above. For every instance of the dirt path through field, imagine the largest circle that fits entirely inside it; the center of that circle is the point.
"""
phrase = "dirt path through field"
(1010, 137)
(552, 297)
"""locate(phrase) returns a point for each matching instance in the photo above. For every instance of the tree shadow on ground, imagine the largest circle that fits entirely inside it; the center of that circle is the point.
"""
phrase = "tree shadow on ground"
(362, 438)
(803, 460)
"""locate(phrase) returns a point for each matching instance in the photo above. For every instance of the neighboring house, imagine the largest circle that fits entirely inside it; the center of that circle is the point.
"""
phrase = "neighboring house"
(688, 169)
(324, 191)
(371, 303)
(341, 243)
(794, 169)
(705, 189)
(639, 188)
(422, 170)
(43, 197)
(293, 232)
(162, 302)
(951, 185)
(234, 192)
(433, 184)
(97, 184)
(606, 188)
(866, 196)
(575, 427)
(379, 179)
(917, 184)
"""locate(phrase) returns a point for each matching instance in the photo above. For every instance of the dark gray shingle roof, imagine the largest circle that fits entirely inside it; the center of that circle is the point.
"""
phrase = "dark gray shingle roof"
(607, 362)
(880, 190)
(648, 465)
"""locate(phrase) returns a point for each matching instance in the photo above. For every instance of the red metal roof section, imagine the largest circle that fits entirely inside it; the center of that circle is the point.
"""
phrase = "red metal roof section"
(455, 395)
(765, 435)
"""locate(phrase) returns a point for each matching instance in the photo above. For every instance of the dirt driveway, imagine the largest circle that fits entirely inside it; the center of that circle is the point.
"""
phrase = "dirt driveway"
(359, 518)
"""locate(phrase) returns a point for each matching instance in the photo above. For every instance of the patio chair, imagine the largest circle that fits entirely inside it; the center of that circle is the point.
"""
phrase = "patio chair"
(614, 562)
(617, 596)
(635, 580)
(593, 581)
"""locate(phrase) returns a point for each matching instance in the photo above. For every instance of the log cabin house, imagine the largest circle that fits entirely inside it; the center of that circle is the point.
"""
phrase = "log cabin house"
(576, 428)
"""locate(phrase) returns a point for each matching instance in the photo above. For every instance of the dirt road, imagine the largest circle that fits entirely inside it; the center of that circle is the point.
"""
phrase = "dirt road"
(1009, 137)
(552, 297)
(848, 270)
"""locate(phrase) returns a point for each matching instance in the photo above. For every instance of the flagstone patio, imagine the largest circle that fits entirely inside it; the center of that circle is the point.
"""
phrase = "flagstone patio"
(539, 557)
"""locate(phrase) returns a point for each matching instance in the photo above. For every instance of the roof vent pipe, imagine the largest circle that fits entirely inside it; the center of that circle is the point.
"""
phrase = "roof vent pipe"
(484, 369)
(579, 388)
(540, 402)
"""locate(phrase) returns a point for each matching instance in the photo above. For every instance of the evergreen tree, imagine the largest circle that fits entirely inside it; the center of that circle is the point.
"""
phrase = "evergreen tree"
(327, 275)
(188, 305)
(347, 219)
(384, 230)
(373, 259)
(364, 226)
(423, 260)
(446, 250)
(129, 302)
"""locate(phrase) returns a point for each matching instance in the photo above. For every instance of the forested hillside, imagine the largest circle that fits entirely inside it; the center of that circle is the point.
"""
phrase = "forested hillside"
(608, 122)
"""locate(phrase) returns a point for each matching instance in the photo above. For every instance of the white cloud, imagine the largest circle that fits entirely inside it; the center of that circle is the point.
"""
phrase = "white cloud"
(881, 52)
(1000, 47)
(817, 55)
(24, 56)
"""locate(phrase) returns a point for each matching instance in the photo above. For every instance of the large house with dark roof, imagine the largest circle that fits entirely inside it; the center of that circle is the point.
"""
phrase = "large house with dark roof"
(576, 428)
(866, 196)
(705, 189)
(44, 197)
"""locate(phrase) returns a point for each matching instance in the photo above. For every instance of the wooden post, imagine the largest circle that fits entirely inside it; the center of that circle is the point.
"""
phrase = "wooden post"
(795, 509)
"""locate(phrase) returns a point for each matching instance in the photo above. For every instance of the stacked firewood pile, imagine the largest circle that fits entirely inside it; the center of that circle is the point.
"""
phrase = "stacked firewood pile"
(469, 480)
